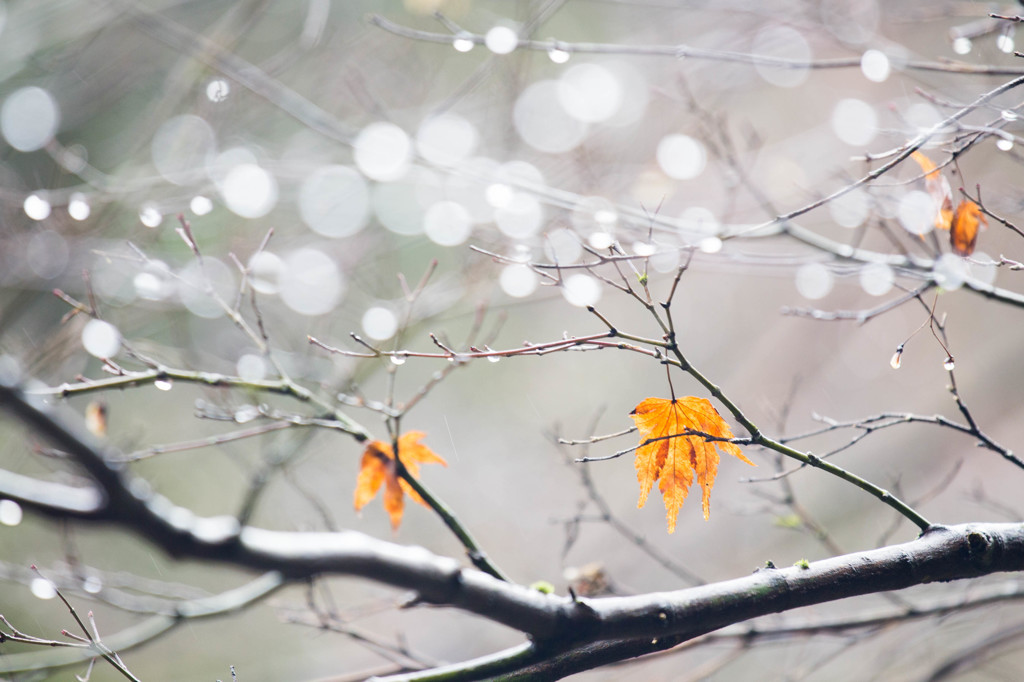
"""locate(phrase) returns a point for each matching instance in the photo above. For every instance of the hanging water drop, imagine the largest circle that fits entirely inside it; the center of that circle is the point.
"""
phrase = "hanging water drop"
(949, 365)
(164, 384)
(246, 413)
(397, 360)
(558, 55)
(897, 358)
(463, 42)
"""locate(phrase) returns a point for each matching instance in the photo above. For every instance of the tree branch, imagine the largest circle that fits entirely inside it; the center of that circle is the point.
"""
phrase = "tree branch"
(556, 624)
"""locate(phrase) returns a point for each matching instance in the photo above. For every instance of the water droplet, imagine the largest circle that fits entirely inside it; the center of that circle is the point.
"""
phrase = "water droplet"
(101, 339)
(200, 205)
(493, 358)
(249, 191)
(601, 240)
(590, 93)
(217, 90)
(1009, 115)
(917, 212)
(265, 272)
(581, 290)
(877, 279)
(962, 45)
(10, 513)
(521, 218)
(447, 139)
(180, 146)
(379, 323)
(251, 367)
(398, 359)
(499, 194)
(447, 223)
(311, 283)
(92, 584)
(1005, 43)
(875, 66)
(78, 206)
(1004, 144)
(501, 40)
(463, 42)
(854, 122)
(42, 588)
(681, 156)
(518, 281)
(541, 121)
(897, 359)
(36, 207)
(558, 55)
(950, 272)
(949, 365)
(814, 280)
(643, 249)
(383, 151)
(710, 245)
(150, 216)
(246, 413)
(29, 118)
(164, 384)
(334, 201)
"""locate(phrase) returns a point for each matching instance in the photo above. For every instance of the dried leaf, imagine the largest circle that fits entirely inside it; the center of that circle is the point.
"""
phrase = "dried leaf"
(672, 456)
(964, 233)
(96, 418)
(378, 468)
(938, 188)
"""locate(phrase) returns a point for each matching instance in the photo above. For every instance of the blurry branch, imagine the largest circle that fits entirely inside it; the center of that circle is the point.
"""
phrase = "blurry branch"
(859, 316)
(569, 343)
(607, 516)
(978, 653)
(878, 422)
(990, 214)
(130, 379)
(246, 74)
(166, 618)
(328, 620)
(684, 52)
(557, 625)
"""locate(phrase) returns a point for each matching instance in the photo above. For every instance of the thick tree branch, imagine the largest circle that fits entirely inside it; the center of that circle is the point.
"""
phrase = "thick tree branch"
(557, 625)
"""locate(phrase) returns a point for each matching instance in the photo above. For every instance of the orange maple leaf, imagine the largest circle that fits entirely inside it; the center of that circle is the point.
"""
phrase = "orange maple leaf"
(939, 190)
(378, 468)
(963, 234)
(671, 452)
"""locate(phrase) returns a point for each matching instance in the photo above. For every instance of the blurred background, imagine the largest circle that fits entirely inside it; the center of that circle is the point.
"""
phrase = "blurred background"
(326, 149)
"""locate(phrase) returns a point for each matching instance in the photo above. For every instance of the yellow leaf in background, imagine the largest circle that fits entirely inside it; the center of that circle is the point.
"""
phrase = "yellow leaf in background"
(672, 456)
(939, 190)
(966, 222)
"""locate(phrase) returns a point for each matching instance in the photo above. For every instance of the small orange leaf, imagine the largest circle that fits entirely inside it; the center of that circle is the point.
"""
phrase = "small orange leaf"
(668, 454)
(927, 167)
(964, 232)
(96, 418)
(378, 468)
(939, 190)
